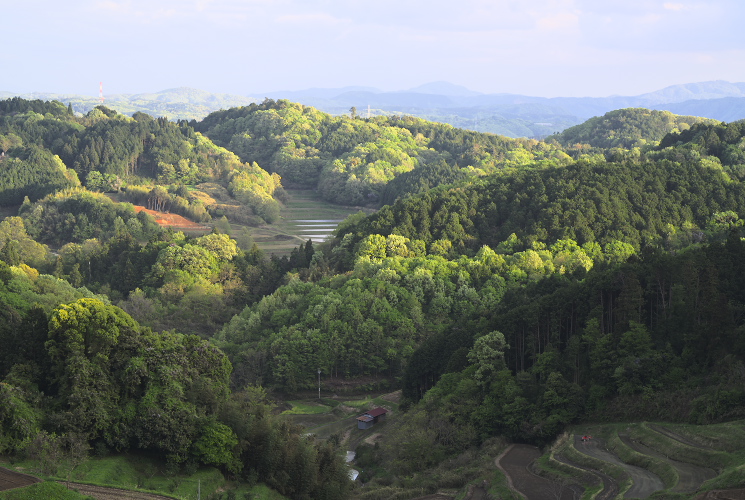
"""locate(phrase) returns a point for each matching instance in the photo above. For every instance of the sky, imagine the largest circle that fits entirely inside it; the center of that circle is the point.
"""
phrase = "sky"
(548, 48)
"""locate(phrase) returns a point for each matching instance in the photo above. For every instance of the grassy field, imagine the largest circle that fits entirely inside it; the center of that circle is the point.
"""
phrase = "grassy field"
(42, 491)
(326, 417)
(142, 473)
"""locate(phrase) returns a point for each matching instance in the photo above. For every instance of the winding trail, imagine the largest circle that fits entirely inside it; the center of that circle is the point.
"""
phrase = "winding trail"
(644, 482)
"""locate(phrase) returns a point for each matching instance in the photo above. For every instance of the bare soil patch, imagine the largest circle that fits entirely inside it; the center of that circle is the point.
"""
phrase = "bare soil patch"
(610, 485)
(174, 221)
(371, 439)
(10, 479)
(644, 482)
(393, 397)
(516, 463)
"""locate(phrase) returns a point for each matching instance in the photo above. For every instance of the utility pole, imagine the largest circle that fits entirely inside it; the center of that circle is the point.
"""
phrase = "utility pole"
(319, 383)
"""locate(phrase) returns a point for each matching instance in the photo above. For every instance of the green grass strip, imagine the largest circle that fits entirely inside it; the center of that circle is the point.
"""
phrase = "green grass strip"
(42, 491)
(306, 408)
(680, 451)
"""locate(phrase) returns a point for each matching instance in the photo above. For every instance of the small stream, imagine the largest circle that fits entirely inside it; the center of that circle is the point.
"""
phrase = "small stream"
(353, 473)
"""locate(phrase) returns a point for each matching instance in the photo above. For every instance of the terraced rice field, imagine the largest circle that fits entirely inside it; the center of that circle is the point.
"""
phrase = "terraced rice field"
(305, 216)
(318, 230)
(637, 461)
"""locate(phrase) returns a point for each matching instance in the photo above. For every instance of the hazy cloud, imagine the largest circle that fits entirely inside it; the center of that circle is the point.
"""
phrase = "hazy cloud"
(545, 47)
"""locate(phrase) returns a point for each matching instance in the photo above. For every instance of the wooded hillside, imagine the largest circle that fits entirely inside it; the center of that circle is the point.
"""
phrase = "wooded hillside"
(516, 286)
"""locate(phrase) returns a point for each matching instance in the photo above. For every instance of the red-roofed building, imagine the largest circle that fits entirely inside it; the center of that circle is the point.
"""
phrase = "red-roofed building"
(370, 418)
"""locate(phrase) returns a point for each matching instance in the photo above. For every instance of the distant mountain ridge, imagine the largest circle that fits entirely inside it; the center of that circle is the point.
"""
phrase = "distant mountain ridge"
(512, 115)
(516, 115)
(182, 103)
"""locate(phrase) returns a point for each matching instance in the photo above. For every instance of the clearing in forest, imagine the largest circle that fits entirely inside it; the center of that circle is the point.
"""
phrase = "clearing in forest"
(304, 216)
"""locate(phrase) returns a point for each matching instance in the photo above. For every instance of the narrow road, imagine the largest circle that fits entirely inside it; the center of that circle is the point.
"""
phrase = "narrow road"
(645, 482)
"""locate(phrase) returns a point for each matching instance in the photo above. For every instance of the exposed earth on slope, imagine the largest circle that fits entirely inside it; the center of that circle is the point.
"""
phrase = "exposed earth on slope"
(172, 220)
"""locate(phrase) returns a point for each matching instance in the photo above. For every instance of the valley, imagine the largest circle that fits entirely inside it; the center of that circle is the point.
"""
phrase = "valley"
(175, 315)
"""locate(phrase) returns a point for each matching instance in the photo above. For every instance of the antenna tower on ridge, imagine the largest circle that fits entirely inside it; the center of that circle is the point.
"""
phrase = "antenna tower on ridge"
(100, 91)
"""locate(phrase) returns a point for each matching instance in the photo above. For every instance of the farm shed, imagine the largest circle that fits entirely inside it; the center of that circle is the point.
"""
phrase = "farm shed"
(370, 418)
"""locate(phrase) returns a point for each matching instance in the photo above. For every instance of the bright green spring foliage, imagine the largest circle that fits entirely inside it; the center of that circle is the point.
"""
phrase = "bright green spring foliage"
(628, 128)
(109, 381)
(116, 381)
(587, 202)
(255, 187)
(352, 161)
(44, 153)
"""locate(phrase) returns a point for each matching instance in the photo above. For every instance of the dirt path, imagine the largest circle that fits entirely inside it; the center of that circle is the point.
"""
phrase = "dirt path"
(645, 482)
(10, 479)
(515, 462)
(691, 477)
(104, 493)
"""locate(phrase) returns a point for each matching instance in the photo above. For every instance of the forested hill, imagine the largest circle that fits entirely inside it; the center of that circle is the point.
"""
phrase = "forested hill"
(513, 287)
(641, 204)
(627, 128)
(351, 160)
(45, 147)
(643, 198)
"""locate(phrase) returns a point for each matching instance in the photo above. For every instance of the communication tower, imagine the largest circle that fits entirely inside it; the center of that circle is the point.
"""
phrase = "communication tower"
(100, 91)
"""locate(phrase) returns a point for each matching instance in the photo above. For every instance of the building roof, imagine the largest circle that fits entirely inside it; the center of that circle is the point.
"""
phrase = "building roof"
(376, 412)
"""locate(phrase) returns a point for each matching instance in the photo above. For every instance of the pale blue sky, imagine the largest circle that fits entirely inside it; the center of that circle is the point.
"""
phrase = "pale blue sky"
(537, 47)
